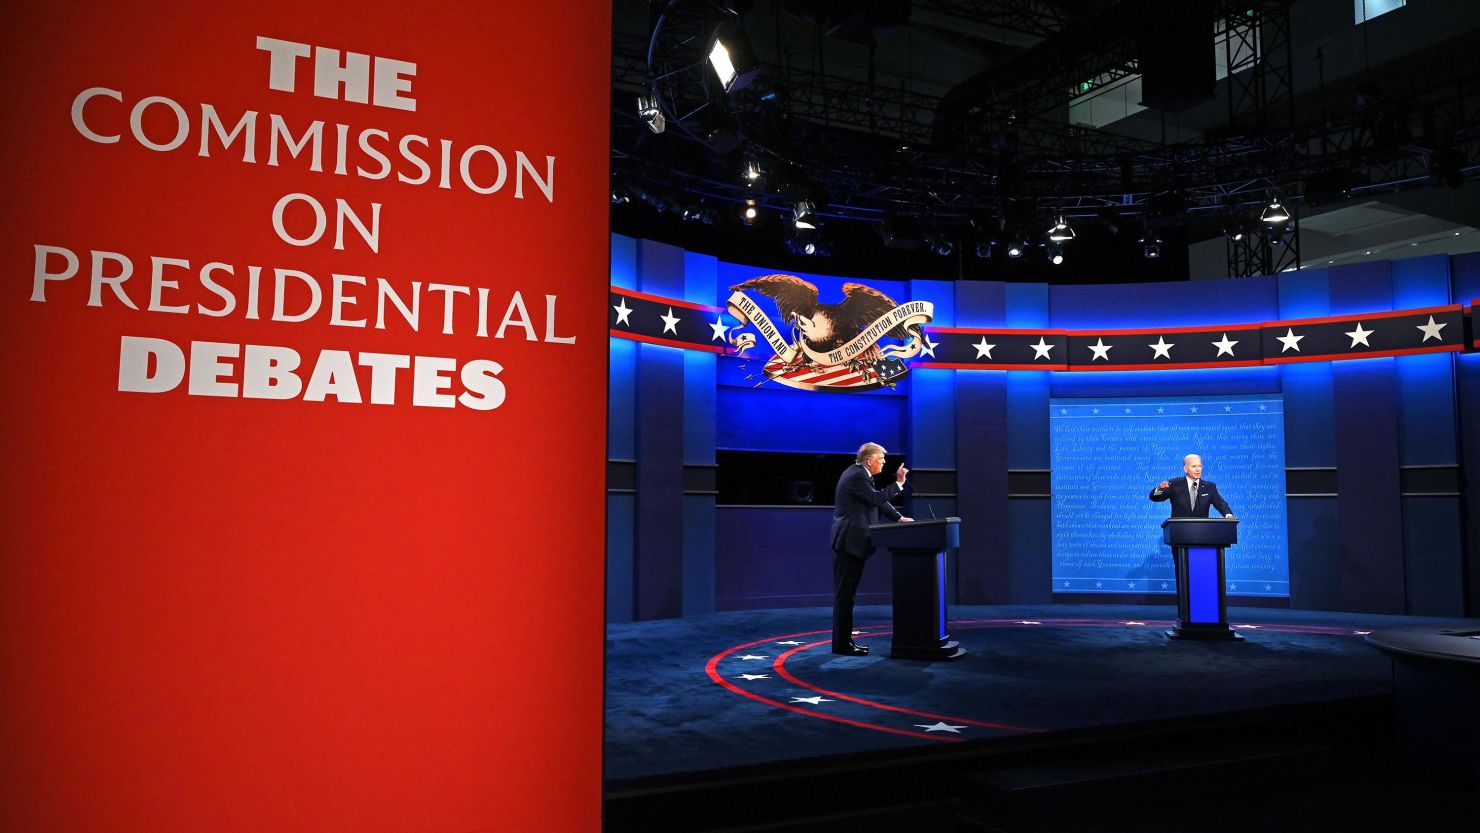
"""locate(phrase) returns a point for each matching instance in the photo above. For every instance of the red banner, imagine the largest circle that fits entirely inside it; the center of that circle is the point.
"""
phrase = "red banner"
(304, 379)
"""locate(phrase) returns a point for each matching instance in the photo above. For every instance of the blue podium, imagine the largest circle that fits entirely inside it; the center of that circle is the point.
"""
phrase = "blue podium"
(919, 550)
(1197, 548)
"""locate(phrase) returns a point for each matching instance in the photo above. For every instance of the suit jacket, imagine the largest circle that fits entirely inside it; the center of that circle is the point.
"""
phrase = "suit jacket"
(1181, 498)
(856, 506)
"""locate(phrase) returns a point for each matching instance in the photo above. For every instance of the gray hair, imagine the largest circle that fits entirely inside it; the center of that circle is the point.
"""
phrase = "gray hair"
(1190, 456)
(868, 450)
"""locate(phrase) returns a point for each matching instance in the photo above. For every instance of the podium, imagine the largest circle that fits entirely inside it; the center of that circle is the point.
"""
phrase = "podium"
(1197, 548)
(919, 550)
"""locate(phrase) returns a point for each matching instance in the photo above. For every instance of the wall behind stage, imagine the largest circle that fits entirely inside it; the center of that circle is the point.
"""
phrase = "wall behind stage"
(1377, 515)
(272, 568)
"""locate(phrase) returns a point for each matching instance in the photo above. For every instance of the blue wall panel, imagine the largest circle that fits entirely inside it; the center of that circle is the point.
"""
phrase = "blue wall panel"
(781, 557)
(1138, 305)
(659, 552)
(1367, 477)
(981, 487)
(620, 592)
(776, 419)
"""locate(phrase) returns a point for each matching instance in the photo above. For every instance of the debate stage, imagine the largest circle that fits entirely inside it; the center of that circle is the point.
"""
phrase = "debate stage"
(747, 717)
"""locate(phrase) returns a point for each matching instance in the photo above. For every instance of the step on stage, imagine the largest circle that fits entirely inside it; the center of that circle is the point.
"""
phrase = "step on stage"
(749, 718)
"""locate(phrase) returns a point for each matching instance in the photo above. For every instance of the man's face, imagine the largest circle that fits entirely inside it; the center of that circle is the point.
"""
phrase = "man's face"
(874, 463)
(1193, 467)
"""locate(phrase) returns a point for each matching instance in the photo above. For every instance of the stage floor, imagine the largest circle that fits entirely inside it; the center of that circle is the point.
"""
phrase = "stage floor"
(707, 693)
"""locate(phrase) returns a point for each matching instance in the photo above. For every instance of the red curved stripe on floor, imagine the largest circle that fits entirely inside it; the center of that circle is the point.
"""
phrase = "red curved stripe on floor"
(780, 664)
(711, 668)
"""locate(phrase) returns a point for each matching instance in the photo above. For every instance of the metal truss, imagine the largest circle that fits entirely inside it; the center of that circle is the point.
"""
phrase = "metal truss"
(1258, 52)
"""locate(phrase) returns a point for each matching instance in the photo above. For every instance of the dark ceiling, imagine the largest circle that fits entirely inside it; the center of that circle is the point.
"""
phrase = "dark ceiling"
(931, 136)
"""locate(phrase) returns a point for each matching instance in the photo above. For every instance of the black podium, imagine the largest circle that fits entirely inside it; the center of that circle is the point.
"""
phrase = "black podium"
(1197, 548)
(919, 550)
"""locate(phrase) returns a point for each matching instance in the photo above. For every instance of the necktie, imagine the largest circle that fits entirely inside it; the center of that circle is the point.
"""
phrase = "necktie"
(1193, 496)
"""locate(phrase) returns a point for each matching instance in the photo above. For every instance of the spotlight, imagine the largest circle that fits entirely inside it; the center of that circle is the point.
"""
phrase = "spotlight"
(749, 214)
(804, 215)
(986, 249)
(1016, 249)
(1061, 232)
(752, 171)
(1055, 254)
(1151, 247)
(1275, 214)
(647, 107)
(733, 61)
(809, 247)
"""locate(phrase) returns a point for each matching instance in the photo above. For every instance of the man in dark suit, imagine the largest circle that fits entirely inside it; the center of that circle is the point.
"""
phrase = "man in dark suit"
(1191, 495)
(857, 506)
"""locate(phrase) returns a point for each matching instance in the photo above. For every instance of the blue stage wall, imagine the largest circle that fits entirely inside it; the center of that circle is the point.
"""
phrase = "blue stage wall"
(1378, 433)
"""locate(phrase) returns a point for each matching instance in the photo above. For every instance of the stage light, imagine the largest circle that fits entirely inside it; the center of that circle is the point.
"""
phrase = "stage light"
(986, 249)
(1151, 247)
(1015, 250)
(1061, 232)
(803, 215)
(750, 213)
(1275, 214)
(1055, 254)
(733, 61)
(809, 248)
(647, 107)
(752, 171)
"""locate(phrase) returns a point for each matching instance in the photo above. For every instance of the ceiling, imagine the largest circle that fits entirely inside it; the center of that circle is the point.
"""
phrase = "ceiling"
(952, 121)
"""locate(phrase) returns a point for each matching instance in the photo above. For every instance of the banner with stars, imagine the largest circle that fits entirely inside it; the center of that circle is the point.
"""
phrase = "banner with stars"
(691, 326)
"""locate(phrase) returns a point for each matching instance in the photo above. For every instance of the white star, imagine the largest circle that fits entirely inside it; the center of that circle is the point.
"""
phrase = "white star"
(1223, 345)
(719, 330)
(1163, 585)
(791, 642)
(816, 701)
(1040, 350)
(1161, 410)
(1066, 584)
(983, 348)
(1127, 410)
(1094, 410)
(1289, 340)
(1227, 408)
(1194, 409)
(1233, 587)
(1130, 585)
(1064, 410)
(1268, 587)
(941, 727)
(754, 676)
(1098, 585)
(929, 348)
(1359, 336)
(1100, 349)
(1431, 329)
(670, 322)
(623, 311)
(1264, 408)
(1161, 349)
(753, 656)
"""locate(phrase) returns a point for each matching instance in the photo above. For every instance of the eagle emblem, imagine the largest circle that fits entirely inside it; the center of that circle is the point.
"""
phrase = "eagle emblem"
(838, 346)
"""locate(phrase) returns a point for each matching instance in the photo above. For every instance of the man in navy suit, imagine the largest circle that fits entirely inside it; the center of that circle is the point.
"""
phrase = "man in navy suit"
(856, 507)
(1191, 495)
